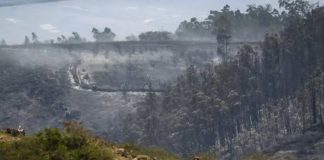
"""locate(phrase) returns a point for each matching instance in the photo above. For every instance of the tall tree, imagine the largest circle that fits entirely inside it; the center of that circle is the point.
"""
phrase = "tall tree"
(194, 30)
(3, 42)
(270, 66)
(296, 7)
(131, 38)
(223, 31)
(34, 38)
(106, 36)
(75, 38)
(26, 41)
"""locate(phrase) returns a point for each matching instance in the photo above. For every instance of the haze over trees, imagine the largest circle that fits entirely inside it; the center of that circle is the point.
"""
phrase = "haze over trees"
(155, 36)
(26, 41)
(106, 36)
(131, 38)
(249, 26)
(194, 30)
(230, 103)
(3, 42)
(34, 38)
(75, 38)
(266, 95)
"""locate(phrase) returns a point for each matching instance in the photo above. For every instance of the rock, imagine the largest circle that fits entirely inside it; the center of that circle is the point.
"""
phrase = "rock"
(122, 152)
(142, 157)
(15, 132)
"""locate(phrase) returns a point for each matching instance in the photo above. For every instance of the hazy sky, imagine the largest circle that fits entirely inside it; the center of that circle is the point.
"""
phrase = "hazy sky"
(49, 20)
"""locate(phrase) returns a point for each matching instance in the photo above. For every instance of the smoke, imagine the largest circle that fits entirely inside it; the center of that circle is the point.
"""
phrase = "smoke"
(5, 3)
(29, 57)
(45, 74)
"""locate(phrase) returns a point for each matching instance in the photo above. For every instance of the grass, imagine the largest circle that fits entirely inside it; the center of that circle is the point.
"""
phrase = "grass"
(151, 151)
(73, 143)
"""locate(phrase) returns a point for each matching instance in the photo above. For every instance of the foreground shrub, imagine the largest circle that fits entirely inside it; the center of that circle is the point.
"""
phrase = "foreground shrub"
(152, 152)
(52, 144)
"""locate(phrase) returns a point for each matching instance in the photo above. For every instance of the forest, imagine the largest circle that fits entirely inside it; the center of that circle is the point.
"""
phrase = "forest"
(235, 84)
(250, 101)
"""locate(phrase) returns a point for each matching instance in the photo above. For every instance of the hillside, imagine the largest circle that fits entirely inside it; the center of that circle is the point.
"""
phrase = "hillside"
(248, 102)
(238, 101)
(74, 142)
(309, 145)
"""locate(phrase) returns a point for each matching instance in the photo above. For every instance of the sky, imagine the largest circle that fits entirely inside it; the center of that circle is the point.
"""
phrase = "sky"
(124, 17)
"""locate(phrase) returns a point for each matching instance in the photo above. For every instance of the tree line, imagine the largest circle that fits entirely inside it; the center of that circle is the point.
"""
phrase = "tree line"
(220, 26)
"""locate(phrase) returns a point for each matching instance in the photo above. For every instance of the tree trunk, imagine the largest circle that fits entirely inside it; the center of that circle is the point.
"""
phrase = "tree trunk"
(313, 101)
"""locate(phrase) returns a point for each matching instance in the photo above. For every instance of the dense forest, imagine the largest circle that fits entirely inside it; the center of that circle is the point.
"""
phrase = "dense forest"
(250, 101)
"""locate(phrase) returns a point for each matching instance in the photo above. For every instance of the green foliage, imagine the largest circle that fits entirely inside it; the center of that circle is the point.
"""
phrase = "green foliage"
(74, 143)
(50, 138)
(152, 152)
(53, 144)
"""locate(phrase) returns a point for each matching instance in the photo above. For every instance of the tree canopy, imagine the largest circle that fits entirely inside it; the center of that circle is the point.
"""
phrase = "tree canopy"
(106, 36)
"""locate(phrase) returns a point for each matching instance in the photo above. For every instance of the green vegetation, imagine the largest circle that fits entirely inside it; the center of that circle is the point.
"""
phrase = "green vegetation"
(74, 143)
(151, 151)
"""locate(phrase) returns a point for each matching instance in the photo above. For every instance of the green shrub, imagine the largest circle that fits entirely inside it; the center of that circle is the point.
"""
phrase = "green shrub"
(74, 141)
(51, 144)
(93, 152)
(50, 138)
(151, 151)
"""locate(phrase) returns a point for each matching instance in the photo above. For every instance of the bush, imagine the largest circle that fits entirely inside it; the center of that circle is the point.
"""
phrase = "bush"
(74, 143)
(52, 144)
(50, 138)
(152, 152)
